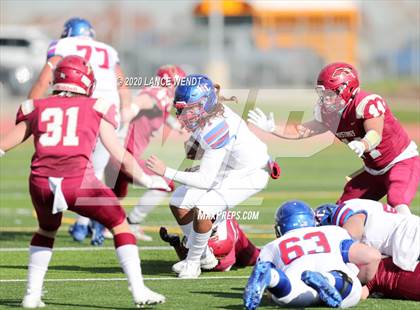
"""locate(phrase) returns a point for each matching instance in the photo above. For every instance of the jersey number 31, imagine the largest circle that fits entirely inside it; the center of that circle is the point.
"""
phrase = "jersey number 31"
(54, 131)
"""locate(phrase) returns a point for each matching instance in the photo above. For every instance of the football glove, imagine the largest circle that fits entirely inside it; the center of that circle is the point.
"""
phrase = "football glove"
(357, 147)
(258, 118)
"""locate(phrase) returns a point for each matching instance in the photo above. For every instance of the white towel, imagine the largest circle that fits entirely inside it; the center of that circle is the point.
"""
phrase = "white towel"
(60, 203)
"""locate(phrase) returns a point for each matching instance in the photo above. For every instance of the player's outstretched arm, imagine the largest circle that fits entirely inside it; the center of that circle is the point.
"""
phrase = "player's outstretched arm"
(292, 132)
(44, 80)
(203, 178)
(14, 137)
(366, 258)
(129, 164)
(124, 93)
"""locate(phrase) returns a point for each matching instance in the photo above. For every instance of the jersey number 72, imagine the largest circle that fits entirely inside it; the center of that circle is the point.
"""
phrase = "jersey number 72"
(291, 250)
(88, 53)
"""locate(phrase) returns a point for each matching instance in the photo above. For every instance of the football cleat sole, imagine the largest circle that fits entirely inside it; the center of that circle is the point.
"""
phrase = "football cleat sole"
(327, 293)
(257, 283)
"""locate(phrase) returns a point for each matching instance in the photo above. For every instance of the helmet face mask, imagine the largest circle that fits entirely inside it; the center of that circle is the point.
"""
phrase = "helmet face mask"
(337, 84)
(330, 100)
(189, 116)
(324, 214)
(195, 102)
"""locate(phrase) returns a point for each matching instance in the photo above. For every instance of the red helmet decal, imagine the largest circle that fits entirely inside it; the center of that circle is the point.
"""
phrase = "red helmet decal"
(342, 72)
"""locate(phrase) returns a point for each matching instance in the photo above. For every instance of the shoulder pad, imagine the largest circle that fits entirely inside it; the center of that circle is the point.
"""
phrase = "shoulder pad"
(217, 135)
(370, 106)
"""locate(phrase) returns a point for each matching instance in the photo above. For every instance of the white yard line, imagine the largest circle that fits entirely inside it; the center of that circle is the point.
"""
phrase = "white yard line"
(124, 279)
(74, 249)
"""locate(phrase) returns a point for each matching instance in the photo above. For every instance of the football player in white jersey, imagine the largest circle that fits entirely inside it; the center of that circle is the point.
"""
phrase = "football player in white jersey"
(234, 166)
(307, 265)
(77, 38)
(378, 225)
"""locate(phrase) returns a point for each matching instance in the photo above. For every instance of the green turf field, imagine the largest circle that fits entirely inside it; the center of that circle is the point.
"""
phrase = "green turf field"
(84, 277)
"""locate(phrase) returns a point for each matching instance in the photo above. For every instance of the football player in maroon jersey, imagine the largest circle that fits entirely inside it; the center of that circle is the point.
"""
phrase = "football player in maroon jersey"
(228, 243)
(365, 123)
(65, 127)
(150, 111)
(390, 281)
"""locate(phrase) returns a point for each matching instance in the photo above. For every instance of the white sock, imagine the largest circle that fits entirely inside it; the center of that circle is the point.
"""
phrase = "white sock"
(81, 220)
(403, 209)
(206, 252)
(186, 230)
(129, 259)
(146, 204)
(39, 259)
(197, 243)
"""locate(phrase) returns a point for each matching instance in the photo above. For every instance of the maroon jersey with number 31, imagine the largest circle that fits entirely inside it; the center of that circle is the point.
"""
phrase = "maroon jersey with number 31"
(65, 131)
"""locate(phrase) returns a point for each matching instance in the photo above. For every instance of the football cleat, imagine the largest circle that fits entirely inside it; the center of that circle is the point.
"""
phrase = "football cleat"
(32, 301)
(257, 283)
(139, 233)
(327, 293)
(178, 266)
(79, 232)
(107, 234)
(209, 262)
(190, 270)
(97, 233)
(148, 297)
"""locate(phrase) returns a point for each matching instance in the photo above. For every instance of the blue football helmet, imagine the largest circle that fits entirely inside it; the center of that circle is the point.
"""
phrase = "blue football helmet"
(195, 98)
(291, 215)
(324, 214)
(77, 27)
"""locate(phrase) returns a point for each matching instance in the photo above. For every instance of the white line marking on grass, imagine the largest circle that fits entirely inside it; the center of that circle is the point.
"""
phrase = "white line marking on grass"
(125, 279)
(105, 248)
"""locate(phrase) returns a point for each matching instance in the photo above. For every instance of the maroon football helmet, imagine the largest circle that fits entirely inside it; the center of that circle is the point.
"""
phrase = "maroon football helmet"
(337, 84)
(220, 248)
(170, 75)
(74, 74)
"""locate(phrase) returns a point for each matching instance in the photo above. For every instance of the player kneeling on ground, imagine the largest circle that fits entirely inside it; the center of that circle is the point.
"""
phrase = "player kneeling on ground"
(227, 242)
(307, 265)
(378, 225)
(393, 234)
(65, 127)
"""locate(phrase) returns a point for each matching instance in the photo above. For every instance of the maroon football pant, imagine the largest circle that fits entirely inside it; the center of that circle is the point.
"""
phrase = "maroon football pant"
(87, 197)
(400, 184)
(244, 253)
(394, 282)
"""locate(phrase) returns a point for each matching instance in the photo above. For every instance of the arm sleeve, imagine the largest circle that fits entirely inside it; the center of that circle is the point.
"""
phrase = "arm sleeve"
(51, 51)
(210, 165)
(345, 248)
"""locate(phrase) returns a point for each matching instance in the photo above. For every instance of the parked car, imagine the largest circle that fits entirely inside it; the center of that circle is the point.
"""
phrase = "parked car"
(22, 55)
